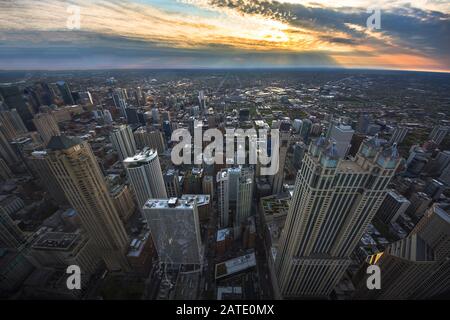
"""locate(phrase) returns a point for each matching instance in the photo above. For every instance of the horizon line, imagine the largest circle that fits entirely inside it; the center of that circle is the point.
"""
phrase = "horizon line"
(134, 68)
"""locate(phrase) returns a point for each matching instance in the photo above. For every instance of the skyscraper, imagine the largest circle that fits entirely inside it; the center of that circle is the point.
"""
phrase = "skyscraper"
(5, 171)
(172, 183)
(10, 234)
(202, 99)
(278, 178)
(120, 101)
(306, 130)
(235, 194)
(342, 135)
(6, 151)
(333, 202)
(75, 167)
(41, 169)
(223, 198)
(363, 123)
(398, 135)
(417, 267)
(244, 201)
(298, 154)
(46, 125)
(144, 172)
(65, 92)
(439, 133)
(434, 228)
(392, 207)
(175, 229)
(148, 137)
(155, 115)
(13, 125)
(402, 267)
(14, 99)
(123, 141)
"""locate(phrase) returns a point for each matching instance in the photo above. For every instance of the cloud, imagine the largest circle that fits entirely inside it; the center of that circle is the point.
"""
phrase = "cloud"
(224, 32)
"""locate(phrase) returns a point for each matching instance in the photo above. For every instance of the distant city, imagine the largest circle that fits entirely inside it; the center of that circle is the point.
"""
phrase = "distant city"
(359, 208)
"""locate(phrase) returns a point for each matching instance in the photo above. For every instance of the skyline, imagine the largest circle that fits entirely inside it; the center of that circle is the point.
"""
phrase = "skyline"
(221, 34)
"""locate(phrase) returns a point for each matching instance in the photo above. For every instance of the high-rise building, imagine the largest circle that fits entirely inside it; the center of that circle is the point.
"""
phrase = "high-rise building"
(223, 197)
(278, 178)
(297, 125)
(434, 228)
(439, 133)
(436, 166)
(62, 249)
(244, 201)
(123, 200)
(363, 123)
(342, 135)
(149, 137)
(175, 229)
(155, 115)
(5, 171)
(14, 98)
(145, 175)
(306, 130)
(6, 151)
(85, 97)
(235, 194)
(434, 189)
(40, 167)
(107, 117)
(202, 99)
(416, 161)
(123, 141)
(75, 167)
(398, 135)
(65, 92)
(13, 125)
(172, 183)
(45, 93)
(10, 234)
(419, 204)
(208, 185)
(333, 202)
(193, 181)
(298, 154)
(417, 267)
(401, 265)
(392, 207)
(10, 204)
(355, 143)
(46, 125)
(120, 101)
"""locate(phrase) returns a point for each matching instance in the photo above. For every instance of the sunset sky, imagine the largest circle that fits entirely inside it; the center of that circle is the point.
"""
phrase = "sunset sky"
(414, 35)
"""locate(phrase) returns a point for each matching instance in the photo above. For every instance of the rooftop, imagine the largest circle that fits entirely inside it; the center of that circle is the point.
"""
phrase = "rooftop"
(397, 196)
(235, 265)
(172, 203)
(142, 157)
(443, 214)
(62, 143)
(202, 199)
(56, 241)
